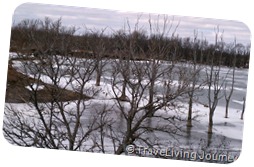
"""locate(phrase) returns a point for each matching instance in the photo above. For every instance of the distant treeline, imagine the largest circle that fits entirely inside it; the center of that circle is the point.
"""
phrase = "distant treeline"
(51, 37)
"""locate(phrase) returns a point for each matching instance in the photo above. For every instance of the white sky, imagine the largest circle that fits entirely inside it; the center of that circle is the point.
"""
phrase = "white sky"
(100, 18)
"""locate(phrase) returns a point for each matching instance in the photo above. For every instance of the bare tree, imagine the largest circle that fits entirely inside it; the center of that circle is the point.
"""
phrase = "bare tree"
(231, 89)
(214, 79)
(196, 84)
(97, 45)
(137, 112)
(152, 96)
(54, 97)
(121, 52)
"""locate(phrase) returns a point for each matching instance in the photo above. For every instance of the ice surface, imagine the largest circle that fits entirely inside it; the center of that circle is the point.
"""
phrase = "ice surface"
(231, 127)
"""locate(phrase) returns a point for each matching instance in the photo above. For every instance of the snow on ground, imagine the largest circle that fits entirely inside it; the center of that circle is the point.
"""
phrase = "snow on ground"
(240, 89)
(231, 127)
(238, 101)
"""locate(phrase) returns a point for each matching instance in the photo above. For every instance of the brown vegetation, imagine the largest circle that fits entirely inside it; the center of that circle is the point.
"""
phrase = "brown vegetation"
(16, 91)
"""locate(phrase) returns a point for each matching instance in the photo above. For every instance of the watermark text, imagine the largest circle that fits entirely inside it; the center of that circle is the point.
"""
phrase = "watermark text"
(174, 153)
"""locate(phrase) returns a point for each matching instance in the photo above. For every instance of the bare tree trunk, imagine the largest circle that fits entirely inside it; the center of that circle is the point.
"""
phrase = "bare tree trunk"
(151, 87)
(210, 123)
(243, 108)
(98, 76)
(227, 105)
(123, 96)
(209, 139)
(189, 119)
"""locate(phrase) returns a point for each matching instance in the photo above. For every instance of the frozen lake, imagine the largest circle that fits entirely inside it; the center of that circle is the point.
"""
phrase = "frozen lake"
(227, 131)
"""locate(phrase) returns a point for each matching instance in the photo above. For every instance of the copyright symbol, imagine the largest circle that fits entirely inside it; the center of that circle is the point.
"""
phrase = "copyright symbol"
(130, 149)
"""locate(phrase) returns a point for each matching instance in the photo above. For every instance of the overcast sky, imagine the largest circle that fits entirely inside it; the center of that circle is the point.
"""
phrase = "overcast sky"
(100, 18)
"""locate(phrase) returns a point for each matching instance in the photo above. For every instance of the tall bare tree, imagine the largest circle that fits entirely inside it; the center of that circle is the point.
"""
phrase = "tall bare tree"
(231, 89)
(97, 45)
(152, 96)
(214, 79)
(193, 74)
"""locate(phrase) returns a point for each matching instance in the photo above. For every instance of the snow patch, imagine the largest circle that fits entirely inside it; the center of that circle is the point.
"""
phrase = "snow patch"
(35, 87)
